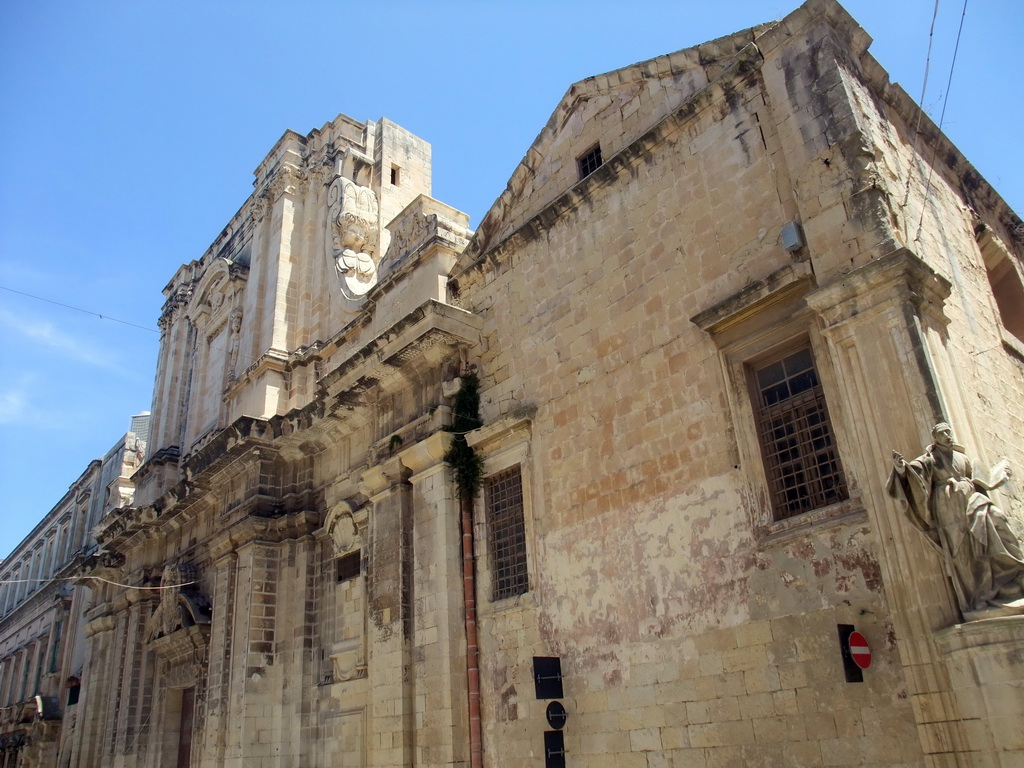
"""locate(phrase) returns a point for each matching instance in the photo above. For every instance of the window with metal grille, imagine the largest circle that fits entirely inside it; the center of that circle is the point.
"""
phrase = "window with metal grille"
(589, 161)
(800, 457)
(348, 565)
(506, 533)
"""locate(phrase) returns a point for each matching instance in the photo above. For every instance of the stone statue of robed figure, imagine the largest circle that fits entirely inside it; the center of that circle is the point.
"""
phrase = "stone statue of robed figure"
(945, 501)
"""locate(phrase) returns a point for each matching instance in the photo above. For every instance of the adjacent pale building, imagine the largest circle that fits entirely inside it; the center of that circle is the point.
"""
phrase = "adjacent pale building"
(722, 287)
(42, 649)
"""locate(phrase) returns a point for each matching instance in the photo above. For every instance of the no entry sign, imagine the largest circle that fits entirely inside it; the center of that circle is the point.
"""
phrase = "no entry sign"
(860, 651)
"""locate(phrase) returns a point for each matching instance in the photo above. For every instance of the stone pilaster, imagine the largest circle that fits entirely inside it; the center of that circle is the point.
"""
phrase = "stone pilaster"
(278, 232)
(136, 688)
(251, 730)
(390, 601)
(294, 653)
(99, 637)
(884, 324)
(219, 675)
(438, 640)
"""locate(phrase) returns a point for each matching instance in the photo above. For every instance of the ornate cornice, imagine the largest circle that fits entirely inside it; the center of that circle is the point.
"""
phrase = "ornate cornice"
(266, 529)
(899, 278)
(287, 180)
(179, 298)
(273, 360)
(432, 323)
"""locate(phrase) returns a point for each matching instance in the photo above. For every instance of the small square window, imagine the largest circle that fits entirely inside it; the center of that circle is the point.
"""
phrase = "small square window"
(349, 566)
(506, 533)
(795, 433)
(589, 161)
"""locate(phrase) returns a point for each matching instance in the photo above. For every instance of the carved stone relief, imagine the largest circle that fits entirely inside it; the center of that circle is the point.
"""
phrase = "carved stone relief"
(343, 529)
(181, 605)
(348, 661)
(412, 231)
(233, 343)
(352, 236)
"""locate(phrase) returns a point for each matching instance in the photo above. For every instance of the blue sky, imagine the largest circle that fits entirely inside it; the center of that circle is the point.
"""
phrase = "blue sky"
(129, 132)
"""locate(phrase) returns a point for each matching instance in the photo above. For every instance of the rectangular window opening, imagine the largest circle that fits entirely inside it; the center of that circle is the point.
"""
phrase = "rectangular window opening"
(185, 727)
(396, 174)
(589, 161)
(506, 529)
(349, 566)
(1007, 289)
(801, 462)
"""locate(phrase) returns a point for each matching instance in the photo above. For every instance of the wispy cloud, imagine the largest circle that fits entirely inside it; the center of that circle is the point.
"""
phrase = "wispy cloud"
(19, 405)
(13, 403)
(72, 348)
(18, 272)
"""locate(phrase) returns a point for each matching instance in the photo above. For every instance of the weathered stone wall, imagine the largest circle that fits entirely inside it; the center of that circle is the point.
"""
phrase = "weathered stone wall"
(690, 625)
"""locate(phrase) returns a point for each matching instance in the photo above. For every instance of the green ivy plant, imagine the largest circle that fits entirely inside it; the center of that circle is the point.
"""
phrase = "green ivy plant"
(467, 466)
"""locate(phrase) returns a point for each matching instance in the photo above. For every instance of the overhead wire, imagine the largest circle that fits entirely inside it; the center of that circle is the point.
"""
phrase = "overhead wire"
(956, 50)
(101, 316)
(924, 90)
(920, 117)
(79, 309)
(928, 58)
(942, 117)
(43, 582)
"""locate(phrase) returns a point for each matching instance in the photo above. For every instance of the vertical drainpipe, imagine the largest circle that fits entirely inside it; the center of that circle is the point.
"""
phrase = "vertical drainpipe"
(476, 755)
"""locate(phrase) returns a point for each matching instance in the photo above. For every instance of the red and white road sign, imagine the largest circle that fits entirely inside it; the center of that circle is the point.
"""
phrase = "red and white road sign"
(860, 651)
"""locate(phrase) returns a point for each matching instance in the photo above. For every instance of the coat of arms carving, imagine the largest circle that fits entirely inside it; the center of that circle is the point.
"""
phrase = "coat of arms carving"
(181, 605)
(353, 236)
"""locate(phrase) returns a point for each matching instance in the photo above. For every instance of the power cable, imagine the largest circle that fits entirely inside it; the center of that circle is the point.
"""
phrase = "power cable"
(942, 117)
(928, 58)
(44, 582)
(79, 309)
(956, 49)
(924, 89)
(216, 347)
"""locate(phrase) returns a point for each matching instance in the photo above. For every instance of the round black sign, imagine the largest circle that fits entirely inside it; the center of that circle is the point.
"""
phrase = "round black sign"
(556, 715)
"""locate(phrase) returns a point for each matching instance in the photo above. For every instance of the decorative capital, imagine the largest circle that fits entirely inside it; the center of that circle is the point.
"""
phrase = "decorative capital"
(260, 207)
(427, 453)
(384, 476)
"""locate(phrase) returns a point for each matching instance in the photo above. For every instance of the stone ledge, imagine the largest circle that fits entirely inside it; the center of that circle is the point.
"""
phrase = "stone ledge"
(1001, 630)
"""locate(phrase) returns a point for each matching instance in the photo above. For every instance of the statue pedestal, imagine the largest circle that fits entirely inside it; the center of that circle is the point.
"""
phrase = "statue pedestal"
(985, 660)
(1016, 608)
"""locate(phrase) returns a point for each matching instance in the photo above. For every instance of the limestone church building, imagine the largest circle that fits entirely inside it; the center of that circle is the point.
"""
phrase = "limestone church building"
(607, 482)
